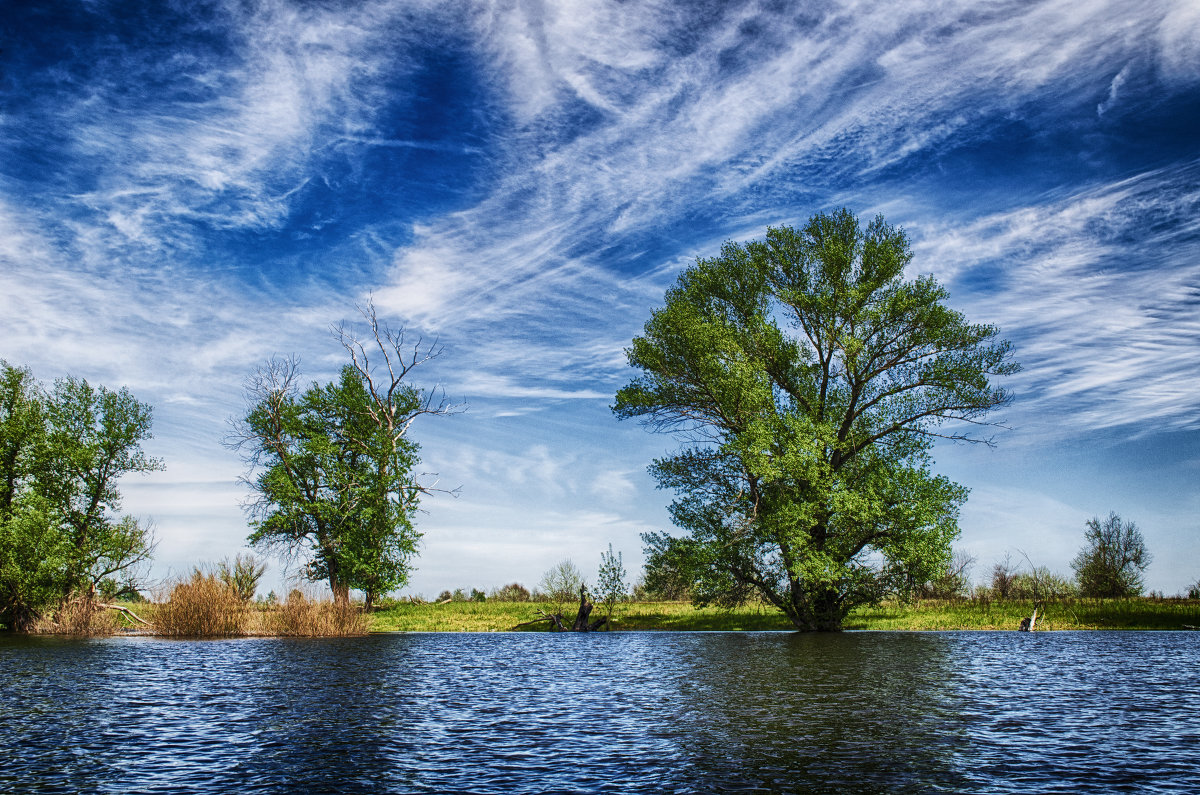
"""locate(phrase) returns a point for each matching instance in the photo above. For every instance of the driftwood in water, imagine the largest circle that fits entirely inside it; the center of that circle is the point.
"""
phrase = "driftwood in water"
(557, 622)
(124, 611)
(1028, 624)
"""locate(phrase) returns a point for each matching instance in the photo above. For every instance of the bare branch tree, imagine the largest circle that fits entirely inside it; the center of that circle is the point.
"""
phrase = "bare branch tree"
(331, 466)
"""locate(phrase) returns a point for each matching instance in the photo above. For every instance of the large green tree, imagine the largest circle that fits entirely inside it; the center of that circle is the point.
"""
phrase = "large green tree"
(332, 467)
(62, 453)
(809, 379)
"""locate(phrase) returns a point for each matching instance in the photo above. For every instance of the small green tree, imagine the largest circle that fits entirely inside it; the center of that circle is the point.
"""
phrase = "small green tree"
(242, 575)
(611, 587)
(561, 582)
(1113, 559)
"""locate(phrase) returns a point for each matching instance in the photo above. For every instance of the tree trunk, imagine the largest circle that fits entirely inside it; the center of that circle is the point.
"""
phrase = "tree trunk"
(1028, 624)
(341, 591)
(819, 611)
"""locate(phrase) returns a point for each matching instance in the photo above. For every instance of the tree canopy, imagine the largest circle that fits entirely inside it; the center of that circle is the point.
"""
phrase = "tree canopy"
(62, 452)
(809, 379)
(332, 467)
(1113, 559)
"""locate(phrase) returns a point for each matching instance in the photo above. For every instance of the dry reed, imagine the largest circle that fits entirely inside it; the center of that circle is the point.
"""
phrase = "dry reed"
(79, 617)
(201, 607)
(300, 616)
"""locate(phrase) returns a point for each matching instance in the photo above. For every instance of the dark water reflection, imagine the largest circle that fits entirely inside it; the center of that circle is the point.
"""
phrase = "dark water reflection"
(666, 712)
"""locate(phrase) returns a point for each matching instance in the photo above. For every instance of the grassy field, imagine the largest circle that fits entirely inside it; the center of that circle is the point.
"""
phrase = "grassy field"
(928, 615)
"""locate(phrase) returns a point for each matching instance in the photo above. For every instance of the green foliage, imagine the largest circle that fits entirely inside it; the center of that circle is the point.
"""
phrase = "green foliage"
(611, 587)
(334, 484)
(242, 575)
(35, 566)
(1113, 560)
(953, 581)
(1193, 591)
(811, 378)
(62, 453)
(513, 592)
(668, 573)
(334, 465)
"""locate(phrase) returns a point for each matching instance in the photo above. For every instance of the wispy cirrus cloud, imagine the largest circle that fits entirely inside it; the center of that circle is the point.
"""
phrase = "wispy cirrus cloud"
(185, 192)
(1100, 290)
(760, 118)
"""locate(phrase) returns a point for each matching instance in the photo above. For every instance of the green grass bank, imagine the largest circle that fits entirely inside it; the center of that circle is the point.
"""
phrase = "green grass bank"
(1133, 614)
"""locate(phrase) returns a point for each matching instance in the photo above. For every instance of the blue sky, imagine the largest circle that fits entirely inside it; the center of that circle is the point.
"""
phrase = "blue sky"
(189, 188)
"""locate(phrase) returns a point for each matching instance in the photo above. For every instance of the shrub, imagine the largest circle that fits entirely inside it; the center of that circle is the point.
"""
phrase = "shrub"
(1193, 591)
(953, 582)
(201, 607)
(1003, 574)
(478, 595)
(242, 575)
(1113, 559)
(1041, 583)
(300, 616)
(78, 617)
(513, 592)
(561, 582)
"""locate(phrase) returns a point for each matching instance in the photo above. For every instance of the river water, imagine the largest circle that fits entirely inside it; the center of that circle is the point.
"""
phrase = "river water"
(621, 712)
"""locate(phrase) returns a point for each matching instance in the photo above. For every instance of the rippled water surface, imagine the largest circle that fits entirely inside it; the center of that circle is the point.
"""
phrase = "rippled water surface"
(663, 712)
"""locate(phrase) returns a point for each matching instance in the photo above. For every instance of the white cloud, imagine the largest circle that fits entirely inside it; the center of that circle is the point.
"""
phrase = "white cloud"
(1099, 293)
(1114, 92)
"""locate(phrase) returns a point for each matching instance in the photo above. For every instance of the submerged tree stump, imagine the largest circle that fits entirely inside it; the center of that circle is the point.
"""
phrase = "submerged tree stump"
(580, 624)
(1028, 624)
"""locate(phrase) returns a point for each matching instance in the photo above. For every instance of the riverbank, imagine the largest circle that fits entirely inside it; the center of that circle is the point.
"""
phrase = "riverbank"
(1133, 614)
(323, 619)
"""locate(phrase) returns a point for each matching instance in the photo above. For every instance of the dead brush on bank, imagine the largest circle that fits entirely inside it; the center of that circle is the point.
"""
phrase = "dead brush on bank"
(79, 617)
(201, 607)
(301, 616)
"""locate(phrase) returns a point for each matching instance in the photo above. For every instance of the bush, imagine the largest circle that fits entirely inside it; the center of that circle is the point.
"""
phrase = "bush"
(242, 575)
(513, 592)
(78, 617)
(1041, 584)
(954, 581)
(300, 616)
(561, 582)
(1003, 575)
(1112, 562)
(202, 607)
(1193, 591)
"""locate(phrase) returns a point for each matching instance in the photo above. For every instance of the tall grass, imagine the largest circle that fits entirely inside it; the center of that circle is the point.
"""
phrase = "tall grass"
(962, 614)
(201, 607)
(300, 616)
(78, 617)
